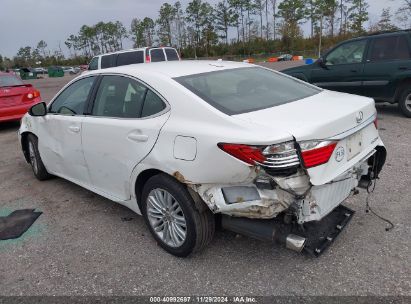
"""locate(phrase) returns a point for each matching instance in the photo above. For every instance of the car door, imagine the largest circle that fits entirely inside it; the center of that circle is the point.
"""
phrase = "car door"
(60, 132)
(122, 128)
(387, 57)
(342, 68)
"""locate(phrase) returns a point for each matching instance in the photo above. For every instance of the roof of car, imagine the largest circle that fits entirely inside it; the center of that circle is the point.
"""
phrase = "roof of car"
(174, 69)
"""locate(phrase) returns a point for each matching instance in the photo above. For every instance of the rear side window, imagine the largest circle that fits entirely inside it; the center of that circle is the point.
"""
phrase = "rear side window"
(152, 104)
(130, 58)
(107, 61)
(72, 100)
(171, 54)
(389, 48)
(93, 65)
(123, 97)
(243, 90)
(157, 55)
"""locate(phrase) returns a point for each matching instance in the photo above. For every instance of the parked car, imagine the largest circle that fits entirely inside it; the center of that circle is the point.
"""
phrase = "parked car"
(285, 57)
(377, 66)
(15, 97)
(182, 142)
(140, 55)
(40, 70)
(71, 70)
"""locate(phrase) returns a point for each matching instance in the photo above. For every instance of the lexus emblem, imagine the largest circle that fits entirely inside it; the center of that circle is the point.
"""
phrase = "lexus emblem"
(360, 117)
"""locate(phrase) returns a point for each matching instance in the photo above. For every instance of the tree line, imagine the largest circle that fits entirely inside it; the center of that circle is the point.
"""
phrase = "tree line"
(228, 28)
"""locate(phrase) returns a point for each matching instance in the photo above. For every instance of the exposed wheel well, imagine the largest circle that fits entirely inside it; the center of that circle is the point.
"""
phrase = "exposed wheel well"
(141, 180)
(401, 85)
(25, 145)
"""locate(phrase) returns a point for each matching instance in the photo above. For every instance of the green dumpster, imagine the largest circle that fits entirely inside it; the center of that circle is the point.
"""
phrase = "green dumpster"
(26, 73)
(55, 71)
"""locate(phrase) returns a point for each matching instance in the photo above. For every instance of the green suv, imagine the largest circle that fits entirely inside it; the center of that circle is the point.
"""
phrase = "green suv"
(377, 66)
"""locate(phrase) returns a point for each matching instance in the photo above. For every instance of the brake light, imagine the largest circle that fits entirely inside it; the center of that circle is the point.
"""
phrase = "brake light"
(316, 153)
(148, 59)
(376, 123)
(31, 95)
(248, 154)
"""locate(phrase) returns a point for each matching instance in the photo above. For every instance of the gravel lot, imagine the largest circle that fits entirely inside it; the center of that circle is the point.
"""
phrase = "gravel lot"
(81, 244)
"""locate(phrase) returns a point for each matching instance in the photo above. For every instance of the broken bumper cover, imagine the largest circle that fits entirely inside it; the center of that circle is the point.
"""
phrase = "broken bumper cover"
(307, 202)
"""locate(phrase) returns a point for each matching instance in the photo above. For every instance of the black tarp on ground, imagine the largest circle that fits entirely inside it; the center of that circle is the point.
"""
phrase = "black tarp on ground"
(17, 222)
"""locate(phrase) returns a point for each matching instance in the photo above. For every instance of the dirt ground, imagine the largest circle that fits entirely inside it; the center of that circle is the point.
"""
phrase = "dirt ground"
(84, 244)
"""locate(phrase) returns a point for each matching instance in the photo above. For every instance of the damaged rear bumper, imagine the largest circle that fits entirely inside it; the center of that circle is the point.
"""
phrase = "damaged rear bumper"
(293, 194)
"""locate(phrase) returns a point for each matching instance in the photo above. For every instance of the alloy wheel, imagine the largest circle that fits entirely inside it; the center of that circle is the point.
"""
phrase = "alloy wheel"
(166, 217)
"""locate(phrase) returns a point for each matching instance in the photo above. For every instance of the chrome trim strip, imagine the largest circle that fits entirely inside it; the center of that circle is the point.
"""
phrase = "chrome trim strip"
(349, 132)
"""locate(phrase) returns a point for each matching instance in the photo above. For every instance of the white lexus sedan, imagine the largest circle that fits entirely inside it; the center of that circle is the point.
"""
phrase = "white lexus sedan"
(195, 143)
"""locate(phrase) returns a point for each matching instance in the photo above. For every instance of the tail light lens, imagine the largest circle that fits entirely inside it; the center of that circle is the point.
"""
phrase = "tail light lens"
(315, 153)
(279, 159)
(31, 95)
(148, 59)
(248, 154)
(376, 123)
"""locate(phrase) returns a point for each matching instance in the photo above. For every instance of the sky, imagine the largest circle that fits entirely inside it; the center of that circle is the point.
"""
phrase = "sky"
(54, 20)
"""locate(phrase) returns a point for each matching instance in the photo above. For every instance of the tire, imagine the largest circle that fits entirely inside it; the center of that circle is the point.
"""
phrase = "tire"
(36, 163)
(405, 101)
(172, 217)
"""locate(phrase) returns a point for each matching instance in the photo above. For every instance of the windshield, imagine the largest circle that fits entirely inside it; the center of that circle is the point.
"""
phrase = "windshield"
(9, 80)
(243, 90)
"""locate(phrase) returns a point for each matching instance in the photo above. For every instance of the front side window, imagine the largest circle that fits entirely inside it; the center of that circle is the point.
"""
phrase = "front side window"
(157, 55)
(243, 90)
(93, 65)
(171, 54)
(350, 52)
(124, 97)
(389, 48)
(130, 58)
(73, 99)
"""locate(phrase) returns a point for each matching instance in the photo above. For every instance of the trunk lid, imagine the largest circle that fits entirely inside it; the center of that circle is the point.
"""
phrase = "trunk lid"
(345, 118)
(11, 96)
(320, 116)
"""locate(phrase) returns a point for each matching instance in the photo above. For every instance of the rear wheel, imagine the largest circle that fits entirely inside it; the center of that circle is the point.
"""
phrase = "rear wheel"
(35, 160)
(405, 101)
(172, 217)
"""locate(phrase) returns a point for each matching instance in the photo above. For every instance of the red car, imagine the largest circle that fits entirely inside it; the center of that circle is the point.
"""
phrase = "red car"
(15, 97)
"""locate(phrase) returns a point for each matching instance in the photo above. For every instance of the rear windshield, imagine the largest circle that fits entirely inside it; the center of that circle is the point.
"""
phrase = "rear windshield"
(108, 61)
(9, 80)
(157, 55)
(243, 90)
(171, 54)
(130, 58)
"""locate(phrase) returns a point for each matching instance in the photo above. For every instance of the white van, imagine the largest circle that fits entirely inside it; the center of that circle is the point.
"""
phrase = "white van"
(132, 56)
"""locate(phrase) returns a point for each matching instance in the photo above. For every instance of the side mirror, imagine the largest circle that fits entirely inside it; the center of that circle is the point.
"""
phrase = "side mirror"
(39, 109)
(321, 62)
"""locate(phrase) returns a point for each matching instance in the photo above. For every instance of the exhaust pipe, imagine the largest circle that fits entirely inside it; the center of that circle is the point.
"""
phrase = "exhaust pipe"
(272, 230)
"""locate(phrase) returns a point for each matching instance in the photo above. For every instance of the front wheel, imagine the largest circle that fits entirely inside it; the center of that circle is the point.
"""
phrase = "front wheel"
(35, 160)
(172, 217)
(405, 102)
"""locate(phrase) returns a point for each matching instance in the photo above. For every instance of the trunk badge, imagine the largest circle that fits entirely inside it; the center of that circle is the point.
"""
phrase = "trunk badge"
(360, 117)
(339, 154)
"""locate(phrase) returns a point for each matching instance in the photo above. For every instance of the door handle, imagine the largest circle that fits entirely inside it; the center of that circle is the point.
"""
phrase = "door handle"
(354, 71)
(138, 137)
(74, 129)
(403, 68)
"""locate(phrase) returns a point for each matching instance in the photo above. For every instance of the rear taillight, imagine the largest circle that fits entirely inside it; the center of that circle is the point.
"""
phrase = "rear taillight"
(315, 153)
(376, 123)
(248, 154)
(278, 159)
(31, 95)
(148, 59)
